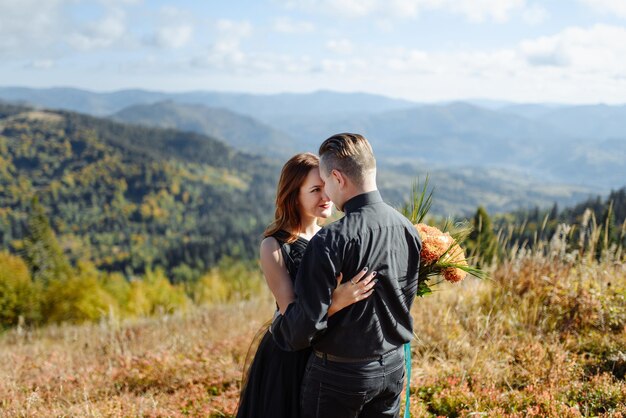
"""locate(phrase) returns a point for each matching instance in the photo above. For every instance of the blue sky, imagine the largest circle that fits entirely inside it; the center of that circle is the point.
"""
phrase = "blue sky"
(423, 50)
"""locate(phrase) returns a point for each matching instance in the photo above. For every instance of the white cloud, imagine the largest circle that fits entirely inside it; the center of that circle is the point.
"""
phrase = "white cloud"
(173, 36)
(41, 64)
(482, 10)
(535, 14)
(473, 10)
(225, 53)
(546, 51)
(598, 49)
(471, 64)
(29, 25)
(300, 65)
(339, 46)
(347, 8)
(341, 66)
(174, 30)
(101, 33)
(231, 29)
(407, 8)
(171, 13)
(615, 7)
(576, 64)
(287, 25)
(228, 58)
(44, 29)
(129, 2)
(402, 60)
(574, 51)
(385, 25)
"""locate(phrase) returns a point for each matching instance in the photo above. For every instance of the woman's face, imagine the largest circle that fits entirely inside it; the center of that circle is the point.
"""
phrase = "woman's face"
(312, 200)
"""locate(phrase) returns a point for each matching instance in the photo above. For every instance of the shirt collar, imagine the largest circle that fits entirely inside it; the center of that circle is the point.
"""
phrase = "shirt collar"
(362, 200)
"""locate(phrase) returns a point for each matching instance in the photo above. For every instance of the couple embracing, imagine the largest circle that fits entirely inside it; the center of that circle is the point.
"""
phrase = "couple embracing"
(334, 348)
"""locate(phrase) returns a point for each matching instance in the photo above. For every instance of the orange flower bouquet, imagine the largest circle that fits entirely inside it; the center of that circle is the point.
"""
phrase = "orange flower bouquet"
(441, 256)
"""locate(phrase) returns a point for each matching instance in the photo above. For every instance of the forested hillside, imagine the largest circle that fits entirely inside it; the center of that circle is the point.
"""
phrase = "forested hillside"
(129, 197)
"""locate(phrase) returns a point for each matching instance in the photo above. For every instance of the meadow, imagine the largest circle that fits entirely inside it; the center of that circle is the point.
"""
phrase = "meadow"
(544, 336)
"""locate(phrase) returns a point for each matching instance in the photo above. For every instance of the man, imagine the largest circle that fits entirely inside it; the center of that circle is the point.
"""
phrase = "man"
(357, 367)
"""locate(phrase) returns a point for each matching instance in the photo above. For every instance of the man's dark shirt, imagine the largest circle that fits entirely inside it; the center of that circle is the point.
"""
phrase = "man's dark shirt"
(371, 234)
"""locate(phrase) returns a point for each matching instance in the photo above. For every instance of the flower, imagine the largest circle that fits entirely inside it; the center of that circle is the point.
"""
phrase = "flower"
(441, 254)
(456, 256)
(454, 274)
(434, 243)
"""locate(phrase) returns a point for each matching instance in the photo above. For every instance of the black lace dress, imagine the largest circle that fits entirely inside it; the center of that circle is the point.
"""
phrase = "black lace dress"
(272, 387)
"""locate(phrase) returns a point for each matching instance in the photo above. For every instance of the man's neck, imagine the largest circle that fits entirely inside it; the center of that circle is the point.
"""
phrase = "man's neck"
(355, 191)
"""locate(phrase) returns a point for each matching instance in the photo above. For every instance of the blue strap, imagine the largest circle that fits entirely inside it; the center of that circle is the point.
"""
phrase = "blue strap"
(407, 361)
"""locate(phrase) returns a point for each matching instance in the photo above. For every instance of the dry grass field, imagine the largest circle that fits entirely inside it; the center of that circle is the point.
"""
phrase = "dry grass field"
(546, 337)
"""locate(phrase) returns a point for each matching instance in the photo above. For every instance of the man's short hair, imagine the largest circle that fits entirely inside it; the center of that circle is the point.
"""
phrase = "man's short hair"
(349, 153)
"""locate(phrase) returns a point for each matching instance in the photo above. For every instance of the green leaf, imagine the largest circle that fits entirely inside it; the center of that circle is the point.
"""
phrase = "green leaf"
(423, 289)
(420, 203)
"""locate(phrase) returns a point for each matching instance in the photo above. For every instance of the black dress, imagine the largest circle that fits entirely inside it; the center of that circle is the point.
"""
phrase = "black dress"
(272, 388)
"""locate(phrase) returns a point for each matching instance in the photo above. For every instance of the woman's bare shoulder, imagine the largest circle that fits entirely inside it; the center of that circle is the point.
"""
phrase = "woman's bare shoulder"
(269, 245)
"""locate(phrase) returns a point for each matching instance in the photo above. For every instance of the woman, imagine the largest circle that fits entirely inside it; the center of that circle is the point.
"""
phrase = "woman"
(272, 389)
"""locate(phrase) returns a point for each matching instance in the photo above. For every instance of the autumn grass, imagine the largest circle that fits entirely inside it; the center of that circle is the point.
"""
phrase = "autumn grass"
(545, 336)
(542, 338)
(176, 365)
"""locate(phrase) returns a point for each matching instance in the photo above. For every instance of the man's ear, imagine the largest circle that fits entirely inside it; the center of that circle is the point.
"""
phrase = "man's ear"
(338, 177)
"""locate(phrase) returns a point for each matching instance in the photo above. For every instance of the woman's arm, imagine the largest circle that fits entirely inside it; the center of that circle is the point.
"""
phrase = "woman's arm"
(356, 289)
(277, 277)
(276, 274)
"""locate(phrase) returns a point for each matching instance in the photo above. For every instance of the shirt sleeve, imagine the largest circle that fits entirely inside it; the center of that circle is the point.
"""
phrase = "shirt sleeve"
(306, 317)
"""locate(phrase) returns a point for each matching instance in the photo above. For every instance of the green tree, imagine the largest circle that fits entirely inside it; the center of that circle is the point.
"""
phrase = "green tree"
(482, 240)
(76, 299)
(41, 250)
(154, 294)
(18, 295)
(116, 285)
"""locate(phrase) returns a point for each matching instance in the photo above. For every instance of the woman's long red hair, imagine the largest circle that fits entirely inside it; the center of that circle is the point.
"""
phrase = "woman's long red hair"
(293, 174)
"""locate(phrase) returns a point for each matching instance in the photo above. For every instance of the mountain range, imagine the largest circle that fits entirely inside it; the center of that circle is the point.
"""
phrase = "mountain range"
(556, 144)
(178, 194)
(260, 106)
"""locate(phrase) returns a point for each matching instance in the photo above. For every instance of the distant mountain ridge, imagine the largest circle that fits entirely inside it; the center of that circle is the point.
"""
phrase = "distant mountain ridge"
(255, 105)
(77, 100)
(239, 131)
(579, 145)
(594, 123)
(461, 135)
